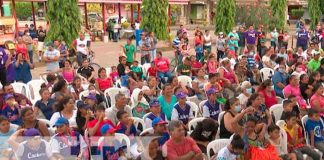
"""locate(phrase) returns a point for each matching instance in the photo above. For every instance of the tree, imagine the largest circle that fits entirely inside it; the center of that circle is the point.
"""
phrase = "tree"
(65, 20)
(278, 8)
(24, 9)
(155, 17)
(314, 12)
(225, 16)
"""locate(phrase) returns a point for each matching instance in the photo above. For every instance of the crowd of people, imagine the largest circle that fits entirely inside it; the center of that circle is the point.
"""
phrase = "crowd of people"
(155, 107)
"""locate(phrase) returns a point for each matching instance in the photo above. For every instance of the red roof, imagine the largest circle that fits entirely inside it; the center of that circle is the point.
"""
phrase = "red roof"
(110, 1)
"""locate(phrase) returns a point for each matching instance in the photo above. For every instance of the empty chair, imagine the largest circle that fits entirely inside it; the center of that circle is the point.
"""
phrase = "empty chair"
(145, 68)
(21, 88)
(266, 73)
(137, 122)
(147, 131)
(34, 87)
(194, 108)
(186, 80)
(217, 145)
(276, 110)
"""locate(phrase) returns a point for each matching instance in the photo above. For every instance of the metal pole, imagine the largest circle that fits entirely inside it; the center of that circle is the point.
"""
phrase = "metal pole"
(132, 13)
(86, 15)
(169, 17)
(119, 14)
(34, 17)
(1, 8)
(139, 12)
(103, 18)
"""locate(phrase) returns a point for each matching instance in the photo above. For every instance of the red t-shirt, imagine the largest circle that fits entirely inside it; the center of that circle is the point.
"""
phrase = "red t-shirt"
(104, 83)
(162, 64)
(174, 151)
(92, 123)
(152, 72)
(195, 65)
(269, 100)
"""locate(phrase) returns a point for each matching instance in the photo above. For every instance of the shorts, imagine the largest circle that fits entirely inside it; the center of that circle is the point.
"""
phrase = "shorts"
(40, 46)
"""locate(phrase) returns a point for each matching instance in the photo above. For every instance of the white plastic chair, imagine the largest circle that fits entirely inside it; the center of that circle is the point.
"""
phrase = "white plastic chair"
(304, 120)
(147, 130)
(145, 68)
(21, 88)
(194, 108)
(216, 145)
(122, 138)
(83, 94)
(34, 87)
(193, 123)
(281, 123)
(201, 105)
(112, 92)
(279, 99)
(138, 121)
(276, 110)
(108, 71)
(186, 80)
(266, 73)
(220, 116)
(47, 122)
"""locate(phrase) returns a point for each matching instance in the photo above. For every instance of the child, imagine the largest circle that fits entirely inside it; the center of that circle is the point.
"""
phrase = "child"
(5, 132)
(181, 110)
(295, 138)
(125, 124)
(155, 109)
(130, 51)
(137, 69)
(67, 143)
(214, 82)
(152, 71)
(114, 74)
(110, 148)
(23, 103)
(199, 51)
(250, 57)
(212, 64)
(231, 151)
(314, 128)
(211, 108)
(276, 139)
(195, 65)
(103, 82)
(287, 108)
(232, 44)
(10, 110)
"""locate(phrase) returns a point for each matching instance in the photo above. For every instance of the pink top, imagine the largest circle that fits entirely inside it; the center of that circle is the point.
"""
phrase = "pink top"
(229, 75)
(320, 100)
(269, 100)
(162, 64)
(212, 67)
(104, 83)
(114, 76)
(295, 91)
(68, 75)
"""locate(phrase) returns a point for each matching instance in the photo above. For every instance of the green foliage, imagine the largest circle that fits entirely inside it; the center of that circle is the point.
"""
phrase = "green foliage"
(225, 16)
(297, 13)
(155, 17)
(24, 9)
(278, 8)
(314, 12)
(65, 20)
(322, 6)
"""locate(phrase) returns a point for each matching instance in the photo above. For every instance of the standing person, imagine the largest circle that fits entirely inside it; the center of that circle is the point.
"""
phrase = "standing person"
(154, 42)
(207, 42)
(145, 48)
(10, 64)
(251, 37)
(22, 69)
(302, 38)
(21, 47)
(274, 38)
(235, 39)
(220, 45)
(130, 52)
(41, 34)
(3, 68)
(82, 47)
(51, 58)
(285, 40)
(179, 146)
(241, 42)
(29, 44)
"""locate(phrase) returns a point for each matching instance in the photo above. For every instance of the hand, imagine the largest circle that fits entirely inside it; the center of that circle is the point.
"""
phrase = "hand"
(249, 110)
(130, 122)
(101, 117)
(199, 156)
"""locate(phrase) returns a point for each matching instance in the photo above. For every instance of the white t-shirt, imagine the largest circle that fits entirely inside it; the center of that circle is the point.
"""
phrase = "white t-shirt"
(57, 115)
(207, 38)
(56, 146)
(243, 99)
(21, 149)
(51, 66)
(225, 154)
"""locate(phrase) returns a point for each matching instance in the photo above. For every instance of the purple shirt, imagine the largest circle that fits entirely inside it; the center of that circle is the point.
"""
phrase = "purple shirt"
(3, 58)
(302, 38)
(11, 73)
(251, 36)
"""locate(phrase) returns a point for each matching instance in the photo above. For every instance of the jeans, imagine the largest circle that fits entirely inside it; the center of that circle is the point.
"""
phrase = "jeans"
(220, 55)
(80, 58)
(240, 50)
(199, 56)
(320, 146)
(162, 76)
(306, 150)
(145, 59)
(31, 56)
(208, 48)
(273, 44)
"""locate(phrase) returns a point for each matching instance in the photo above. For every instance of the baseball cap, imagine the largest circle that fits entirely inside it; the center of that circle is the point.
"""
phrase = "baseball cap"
(314, 52)
(181, 95)
(92, 97)
(11, 46)
(31, 132)
(154, 103)
(8, 96)
(211, 91)
(81, 104)
(61, 121)
(107, 129)
(158, 120)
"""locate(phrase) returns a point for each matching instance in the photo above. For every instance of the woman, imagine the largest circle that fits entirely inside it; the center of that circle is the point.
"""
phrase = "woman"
(207, 41)
(241, 72)
(151, 90)
(220, 45)
(29, 121)
(76, 87)
(232, 108)
(246, 91)
(61, 87)
(198, 39)
(103, 82)
(68, 73)
(226, 72)
(306, 90)
(198, 84)
(176, 84)
(167, 100)
(292, 89)
(22, 69)
(139, 104)
(269, 95)
(260, 111)
(65, 108)
(99, 97)
(195, 65)
(84, 115)
(134, 81)
(21, 47)
(314, 78)
(204, 133)
(266, 58)
(317, 100)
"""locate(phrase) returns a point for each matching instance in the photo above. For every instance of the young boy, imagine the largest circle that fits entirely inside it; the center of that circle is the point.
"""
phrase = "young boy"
(99, 120)
(214, 82)
(211, 108)
(129, 50)
(277, 141)
(295, 138)
(152, 71)
(10, 110)
(5, 132)
(67, 143)
(181, 110)
(45, 104)
(109, 148)
(126, 124)
(160, 130)
(137, 69)
(314, 128)
(155, 109)
(287, 108)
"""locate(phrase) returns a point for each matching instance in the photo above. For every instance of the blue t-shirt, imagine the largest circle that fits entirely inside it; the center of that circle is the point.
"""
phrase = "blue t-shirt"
(12, 115)
(167, 107)
(23, 72)
(122, 129)
(47, 109)
(4, 138)
(110, 152)
(317, 127)
(279, 77)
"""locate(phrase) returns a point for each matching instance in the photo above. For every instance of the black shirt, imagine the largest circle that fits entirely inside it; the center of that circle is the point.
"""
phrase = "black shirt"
(303, 87)
(85, 72)
(120, 70)
(241, 42)
(40, 36)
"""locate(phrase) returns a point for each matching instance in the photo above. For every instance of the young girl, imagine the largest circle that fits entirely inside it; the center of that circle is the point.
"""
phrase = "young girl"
(139, 104)
(114, 74)
(103, 82)
(212, 64)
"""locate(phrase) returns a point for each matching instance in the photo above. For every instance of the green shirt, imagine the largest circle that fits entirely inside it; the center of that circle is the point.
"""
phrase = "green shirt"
(130, 51)
(184, 69)
(167, 107)
(313, 65)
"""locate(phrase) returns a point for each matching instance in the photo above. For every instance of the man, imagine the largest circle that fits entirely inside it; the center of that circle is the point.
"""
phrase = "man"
(251, 37)
(282, 53)
(10, 65)
(82, 47)
(41, 34)
(211, 108)
(121, 104)
(302, 38)
(315, 63)
(130, 52)
(155, 109)
(179, 146)
(51, 58)
(145, 48)
(8, 89)
(279, 80)
(241, 42)
(3, 70)
(86, 71)
(162, 66)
